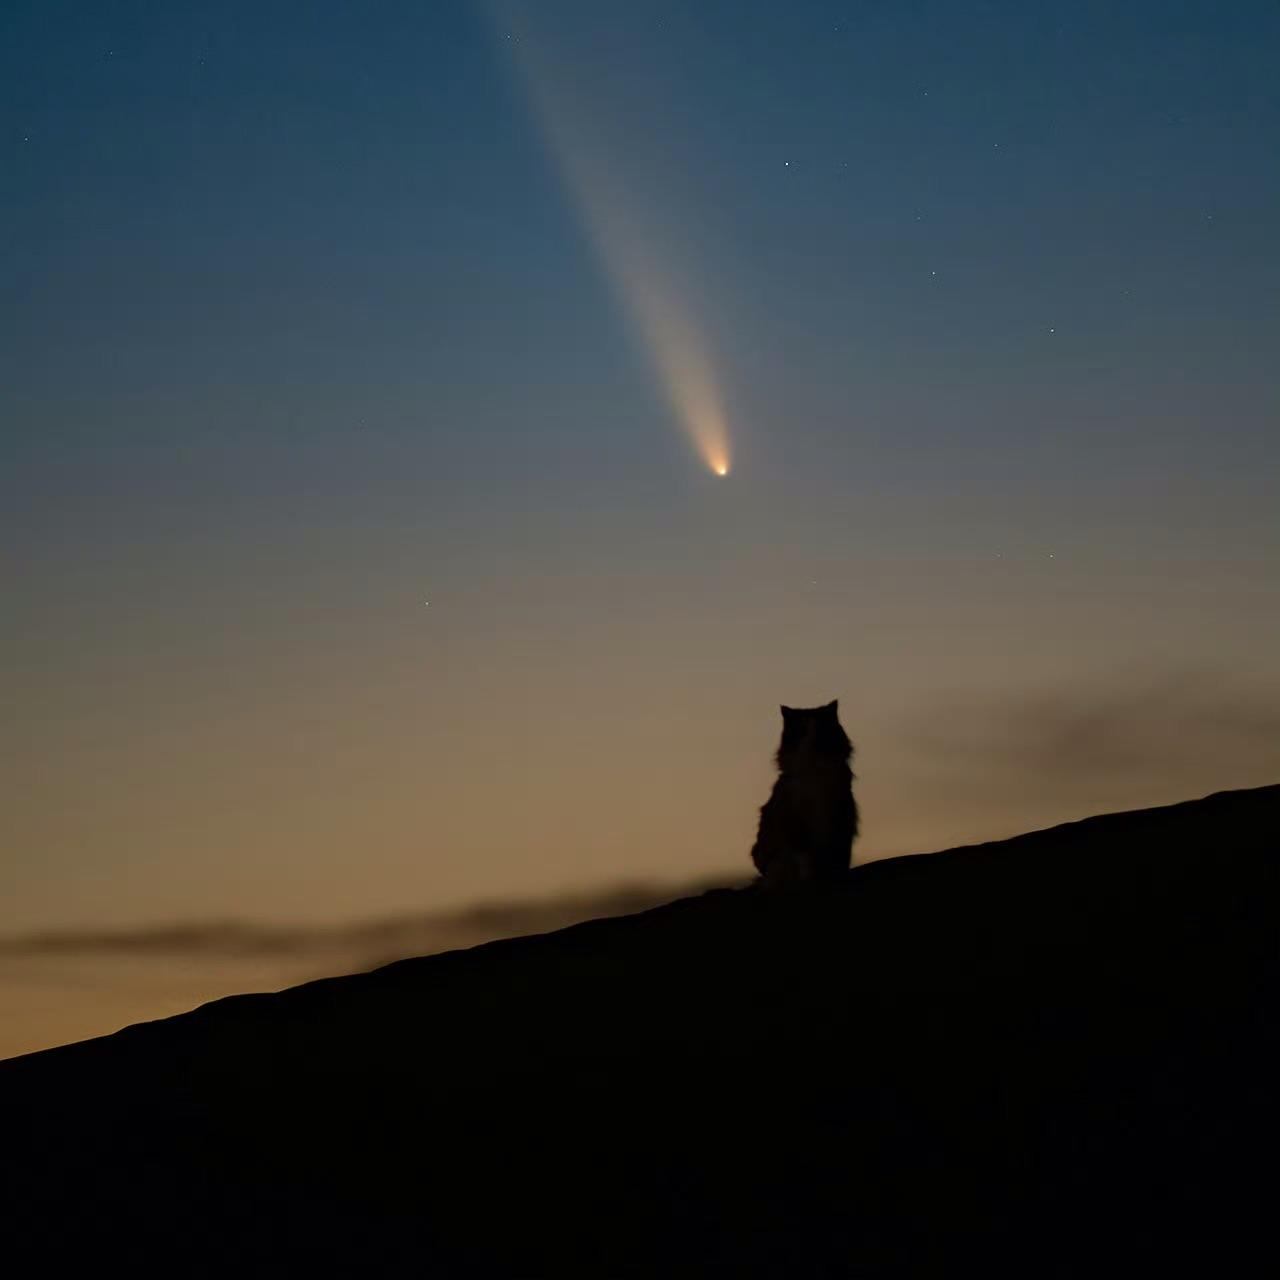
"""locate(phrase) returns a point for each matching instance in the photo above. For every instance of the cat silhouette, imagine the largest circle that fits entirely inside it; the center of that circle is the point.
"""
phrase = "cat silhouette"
(809, 823)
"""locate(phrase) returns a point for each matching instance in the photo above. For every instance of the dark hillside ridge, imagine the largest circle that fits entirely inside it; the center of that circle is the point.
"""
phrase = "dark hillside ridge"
(1048, 1056)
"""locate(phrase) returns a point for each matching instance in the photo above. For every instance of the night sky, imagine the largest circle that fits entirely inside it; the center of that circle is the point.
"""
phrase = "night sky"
(363, 546)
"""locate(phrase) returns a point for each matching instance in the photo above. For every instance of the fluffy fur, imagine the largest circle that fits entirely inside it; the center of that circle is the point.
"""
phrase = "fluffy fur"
(809, 822)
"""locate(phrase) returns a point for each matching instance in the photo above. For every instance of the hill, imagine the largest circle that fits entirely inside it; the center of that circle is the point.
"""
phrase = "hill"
(1047, 1056)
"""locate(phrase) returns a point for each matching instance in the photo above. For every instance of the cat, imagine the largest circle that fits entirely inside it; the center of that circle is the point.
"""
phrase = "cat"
(809, 822)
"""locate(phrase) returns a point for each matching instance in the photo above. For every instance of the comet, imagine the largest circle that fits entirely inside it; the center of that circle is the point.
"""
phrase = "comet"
(660, 317)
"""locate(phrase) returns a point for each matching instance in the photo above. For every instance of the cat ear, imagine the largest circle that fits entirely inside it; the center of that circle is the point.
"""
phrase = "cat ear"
(786, 711)
(833, 706)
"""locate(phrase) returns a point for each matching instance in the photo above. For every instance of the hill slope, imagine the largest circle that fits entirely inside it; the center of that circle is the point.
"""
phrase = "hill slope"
(1047, 1056)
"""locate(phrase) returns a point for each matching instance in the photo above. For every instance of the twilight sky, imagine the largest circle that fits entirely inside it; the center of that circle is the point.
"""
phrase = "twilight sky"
(314, 313)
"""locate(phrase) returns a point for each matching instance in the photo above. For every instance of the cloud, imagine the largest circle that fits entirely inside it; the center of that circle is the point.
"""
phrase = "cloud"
(393, 937)
(1189, 726)
(66, 985)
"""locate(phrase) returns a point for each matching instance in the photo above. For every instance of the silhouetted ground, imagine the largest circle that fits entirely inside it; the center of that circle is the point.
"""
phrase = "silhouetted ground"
(1050, 1056)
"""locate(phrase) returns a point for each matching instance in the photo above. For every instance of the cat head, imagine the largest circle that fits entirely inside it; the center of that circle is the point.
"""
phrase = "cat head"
(813, 731)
